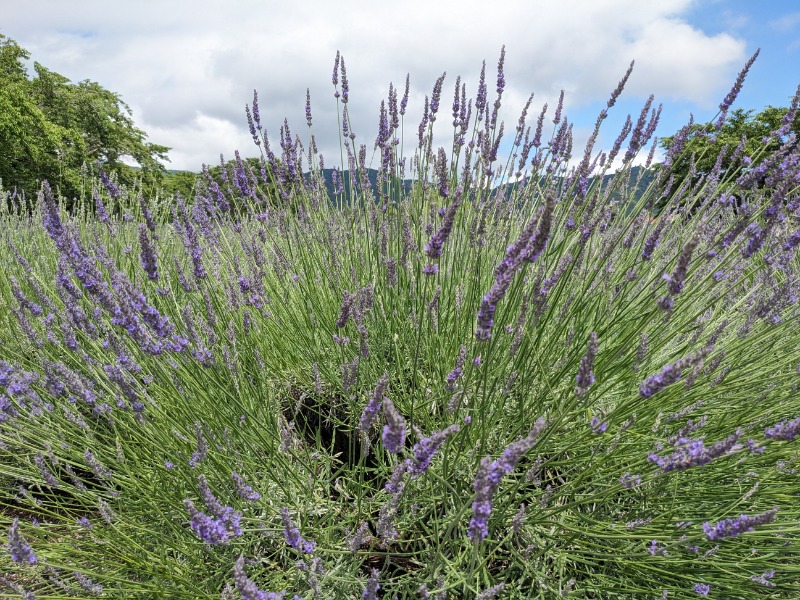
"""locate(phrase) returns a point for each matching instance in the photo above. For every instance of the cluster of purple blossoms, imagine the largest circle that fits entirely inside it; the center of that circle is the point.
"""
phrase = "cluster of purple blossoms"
(785, 430)
(585, 377)
(526, 249)
(728, 528)
(434, 246)
(292, 534)
(394, 432)
(247, 588)
(488, 479)
(702, 589)
(218, 527)
(454, 375)
(693, 452)
(371, 590)
(245, 491)
(21, 552)
(427, 447)
(374, 405)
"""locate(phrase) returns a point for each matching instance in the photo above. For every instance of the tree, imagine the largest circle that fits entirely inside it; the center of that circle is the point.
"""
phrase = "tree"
(704, 145)
(51, 128)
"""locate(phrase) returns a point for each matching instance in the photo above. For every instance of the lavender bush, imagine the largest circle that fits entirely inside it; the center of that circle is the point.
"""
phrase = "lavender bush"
(516, 380)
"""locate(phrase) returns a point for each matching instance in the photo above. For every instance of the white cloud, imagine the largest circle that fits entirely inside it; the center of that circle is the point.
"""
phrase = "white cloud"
(187, 67)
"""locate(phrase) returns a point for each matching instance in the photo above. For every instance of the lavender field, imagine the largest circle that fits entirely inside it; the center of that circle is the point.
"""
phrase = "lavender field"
(519, 379)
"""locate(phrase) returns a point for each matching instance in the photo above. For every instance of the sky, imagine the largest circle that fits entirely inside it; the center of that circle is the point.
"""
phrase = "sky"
(188, 67)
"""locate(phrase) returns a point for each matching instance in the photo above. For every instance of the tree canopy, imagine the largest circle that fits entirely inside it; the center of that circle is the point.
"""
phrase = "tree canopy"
(51, 128)
(704, 145)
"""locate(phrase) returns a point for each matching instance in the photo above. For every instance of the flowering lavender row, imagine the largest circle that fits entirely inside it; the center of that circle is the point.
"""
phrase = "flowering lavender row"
(333, 370)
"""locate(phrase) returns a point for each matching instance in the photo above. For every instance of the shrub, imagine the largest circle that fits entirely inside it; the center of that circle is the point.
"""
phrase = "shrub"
(502, 382)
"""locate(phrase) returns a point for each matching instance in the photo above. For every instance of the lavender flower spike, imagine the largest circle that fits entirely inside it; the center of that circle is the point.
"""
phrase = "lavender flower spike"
(247, 588)
(244, 490)
(371, 591)
(785, 431)
(585, 377)
(148, 254)
(21, 552)
(292, 534)
(492, 592)
(732, 527)
(425, 449)
(692, 453)
(488, 479)
(527, 248)
(737, 87)
(394, 432)
(374, 405)
(434, 246)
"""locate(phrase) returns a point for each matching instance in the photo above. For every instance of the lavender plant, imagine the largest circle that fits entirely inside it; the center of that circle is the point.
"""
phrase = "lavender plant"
(517, 379)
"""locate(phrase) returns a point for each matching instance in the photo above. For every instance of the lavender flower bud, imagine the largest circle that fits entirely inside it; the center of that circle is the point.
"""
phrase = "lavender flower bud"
(344, 311)
(559, 108)
(247, 588)
(728, 528)
(374, 405)
(148, 254)
(492, 592)
(692, 453)
(585, 377)
(488, 479)
(620, 86)
(244, 490)
(455, 374)
(292, 534)
(394, 432)
(371, 590)
(737, 87)
(21, 552)
(426, 448)
(785, 431)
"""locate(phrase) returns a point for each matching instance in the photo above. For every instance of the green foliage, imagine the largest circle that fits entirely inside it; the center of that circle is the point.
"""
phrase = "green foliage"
(601, 419)
(50, 128)
(704, 145)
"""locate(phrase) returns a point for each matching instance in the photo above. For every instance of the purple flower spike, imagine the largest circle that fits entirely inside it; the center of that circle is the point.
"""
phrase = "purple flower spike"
(148, 254)
(394, 432)
(492, 592)
(693, 452)
(455, 374)
(702, 589)
(785, 431)
(371, 591)
(374, 405)
(598, 425)
(21, 552)
(728, 528)
(737, 87)
(244, 490)
(434, 246)
(247, 588)
(426, 448)
(488, 479)
(585, 377)
(292, 534)
(212, 531)
(528, 247)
